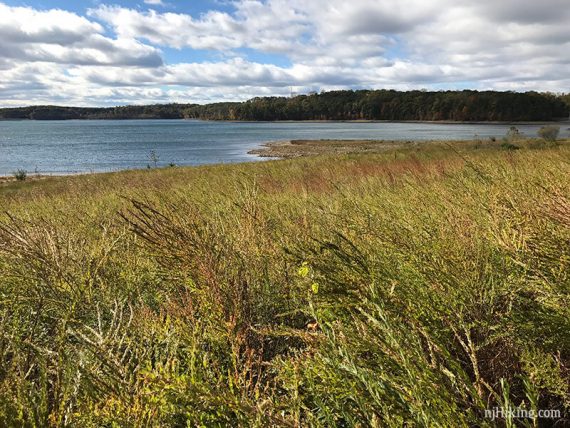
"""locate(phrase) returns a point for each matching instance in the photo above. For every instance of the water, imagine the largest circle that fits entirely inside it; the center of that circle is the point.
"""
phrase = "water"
(65, 147)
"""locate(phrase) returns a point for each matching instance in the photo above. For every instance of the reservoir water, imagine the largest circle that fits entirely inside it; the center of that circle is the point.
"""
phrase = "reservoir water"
(66, 147)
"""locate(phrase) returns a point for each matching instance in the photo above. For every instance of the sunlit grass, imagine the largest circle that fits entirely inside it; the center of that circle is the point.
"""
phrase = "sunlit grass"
(415, 287)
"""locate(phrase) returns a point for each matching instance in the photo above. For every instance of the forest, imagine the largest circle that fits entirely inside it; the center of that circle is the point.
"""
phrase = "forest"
(469, 106)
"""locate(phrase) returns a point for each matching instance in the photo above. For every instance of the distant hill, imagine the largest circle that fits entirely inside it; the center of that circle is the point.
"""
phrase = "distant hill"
(470, 106)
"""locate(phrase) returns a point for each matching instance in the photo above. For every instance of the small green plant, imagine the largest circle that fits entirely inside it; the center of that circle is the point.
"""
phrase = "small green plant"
(505, 145)
(21, 175)
(549, 133)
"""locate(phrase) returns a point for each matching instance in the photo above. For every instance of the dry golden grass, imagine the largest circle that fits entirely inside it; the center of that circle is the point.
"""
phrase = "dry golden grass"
(417, 287)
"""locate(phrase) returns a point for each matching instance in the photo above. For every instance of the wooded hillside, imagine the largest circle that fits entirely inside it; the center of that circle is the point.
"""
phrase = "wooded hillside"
(336, 105)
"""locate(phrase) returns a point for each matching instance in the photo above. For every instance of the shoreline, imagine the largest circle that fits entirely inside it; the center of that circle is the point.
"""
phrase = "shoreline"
(290, 149)
(433, 122)
(10, 178)
(428, 122)
(284, 149)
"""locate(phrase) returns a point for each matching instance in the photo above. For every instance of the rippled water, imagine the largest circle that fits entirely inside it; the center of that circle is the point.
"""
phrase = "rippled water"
(62, 147)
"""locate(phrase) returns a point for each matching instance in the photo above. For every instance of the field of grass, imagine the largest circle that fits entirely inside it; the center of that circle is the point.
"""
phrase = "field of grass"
(415, 287)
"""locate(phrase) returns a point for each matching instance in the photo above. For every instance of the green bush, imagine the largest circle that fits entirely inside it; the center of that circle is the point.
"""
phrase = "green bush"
(21, 175)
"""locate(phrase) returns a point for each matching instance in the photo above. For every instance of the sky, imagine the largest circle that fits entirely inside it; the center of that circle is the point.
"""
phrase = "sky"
(118, 52)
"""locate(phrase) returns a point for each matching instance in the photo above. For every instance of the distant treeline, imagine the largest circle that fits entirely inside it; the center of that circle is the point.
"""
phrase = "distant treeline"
(157, 111)
(336, 105)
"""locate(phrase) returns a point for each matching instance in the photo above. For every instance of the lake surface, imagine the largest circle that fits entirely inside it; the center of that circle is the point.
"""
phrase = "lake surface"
(66, 147)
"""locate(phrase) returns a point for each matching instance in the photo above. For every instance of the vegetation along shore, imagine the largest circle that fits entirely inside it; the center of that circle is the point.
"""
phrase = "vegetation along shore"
(301, 148)
(451, 106)
(300, 292)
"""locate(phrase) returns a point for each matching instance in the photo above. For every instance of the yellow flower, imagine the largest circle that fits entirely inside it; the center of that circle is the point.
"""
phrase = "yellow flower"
(303, 270)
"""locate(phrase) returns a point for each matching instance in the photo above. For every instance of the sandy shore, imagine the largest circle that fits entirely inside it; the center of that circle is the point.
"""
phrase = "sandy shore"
(298, 148)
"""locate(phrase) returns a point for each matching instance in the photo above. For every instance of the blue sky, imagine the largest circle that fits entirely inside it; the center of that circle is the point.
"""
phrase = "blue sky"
(125, 51)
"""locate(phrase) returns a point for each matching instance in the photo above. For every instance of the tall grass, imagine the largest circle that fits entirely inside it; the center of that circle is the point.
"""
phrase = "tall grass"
(412, 288)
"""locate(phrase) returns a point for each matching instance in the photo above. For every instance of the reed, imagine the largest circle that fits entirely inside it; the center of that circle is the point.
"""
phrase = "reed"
(415, 287)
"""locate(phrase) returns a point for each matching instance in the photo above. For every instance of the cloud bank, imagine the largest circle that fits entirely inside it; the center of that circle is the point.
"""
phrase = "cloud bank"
(117, 55)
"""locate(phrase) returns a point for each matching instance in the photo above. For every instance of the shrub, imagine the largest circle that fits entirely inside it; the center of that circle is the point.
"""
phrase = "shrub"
(549, 133)
(21, 175)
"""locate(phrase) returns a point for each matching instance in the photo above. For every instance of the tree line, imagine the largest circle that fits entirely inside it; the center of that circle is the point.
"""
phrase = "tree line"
(335, 105)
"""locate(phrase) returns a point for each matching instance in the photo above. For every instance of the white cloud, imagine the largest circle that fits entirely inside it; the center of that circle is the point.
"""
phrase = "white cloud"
(58, 36)
(154, 2)
(214, 30)
(113, 54)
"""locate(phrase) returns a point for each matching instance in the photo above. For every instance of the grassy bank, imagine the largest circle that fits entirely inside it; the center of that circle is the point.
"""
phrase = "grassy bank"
(302, 148)
(417, 286)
